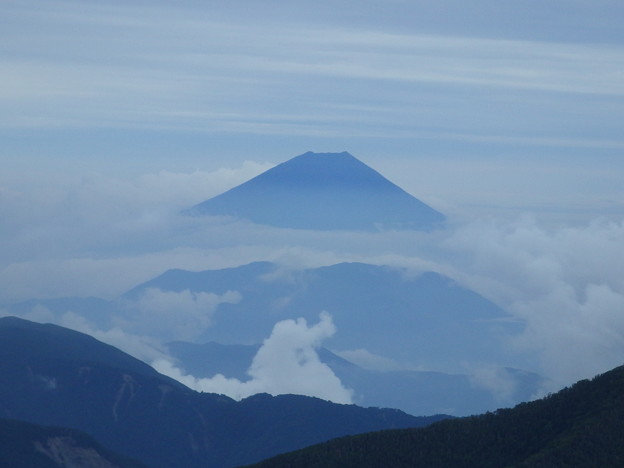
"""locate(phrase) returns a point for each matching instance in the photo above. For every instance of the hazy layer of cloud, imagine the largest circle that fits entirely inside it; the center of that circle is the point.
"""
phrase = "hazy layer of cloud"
(173, 316)
(367, 360)
(566, 284)
(287, 362)
(497, 380)
(101, 236)
(143, 347)
(61, 234)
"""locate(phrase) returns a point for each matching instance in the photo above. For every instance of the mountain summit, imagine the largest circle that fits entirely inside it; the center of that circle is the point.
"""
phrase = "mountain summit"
(323, 191)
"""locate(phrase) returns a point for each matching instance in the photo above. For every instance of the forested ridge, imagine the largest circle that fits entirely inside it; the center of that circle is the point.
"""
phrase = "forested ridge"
(580, 426)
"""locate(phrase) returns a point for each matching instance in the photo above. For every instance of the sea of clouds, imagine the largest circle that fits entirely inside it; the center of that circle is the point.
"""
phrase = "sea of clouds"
(100, 236)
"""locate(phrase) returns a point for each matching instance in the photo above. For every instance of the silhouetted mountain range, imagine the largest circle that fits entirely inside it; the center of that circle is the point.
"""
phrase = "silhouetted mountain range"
(424, 319)
(54, 376)
(323, 191)
(581, 426)
(386, 310)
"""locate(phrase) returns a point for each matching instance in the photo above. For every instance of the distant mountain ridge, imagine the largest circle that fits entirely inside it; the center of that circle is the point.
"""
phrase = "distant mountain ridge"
(50, 375)
(323, 191)
(383, 309)
(426, 319)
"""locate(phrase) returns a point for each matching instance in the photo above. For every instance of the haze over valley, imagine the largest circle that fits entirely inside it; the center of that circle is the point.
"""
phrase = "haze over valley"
(406, 305)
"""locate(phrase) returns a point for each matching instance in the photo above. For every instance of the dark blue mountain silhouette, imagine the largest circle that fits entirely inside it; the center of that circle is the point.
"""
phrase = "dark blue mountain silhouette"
(426, 319)
(53, 376)
(577, 427)
(323, 191)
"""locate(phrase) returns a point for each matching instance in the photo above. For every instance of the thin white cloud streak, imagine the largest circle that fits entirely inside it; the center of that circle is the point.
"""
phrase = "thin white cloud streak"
(138, 69)
(338, 52)
(513, 64)
(467, 61)
(287, 362)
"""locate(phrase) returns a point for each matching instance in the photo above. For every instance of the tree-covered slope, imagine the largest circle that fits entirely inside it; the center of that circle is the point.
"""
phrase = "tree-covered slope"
(580, 426)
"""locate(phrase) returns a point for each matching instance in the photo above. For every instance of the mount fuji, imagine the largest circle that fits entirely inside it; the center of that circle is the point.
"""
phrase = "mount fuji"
(323, 191)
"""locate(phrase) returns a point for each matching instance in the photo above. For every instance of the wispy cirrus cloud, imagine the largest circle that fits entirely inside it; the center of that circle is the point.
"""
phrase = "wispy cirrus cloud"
(183, 69)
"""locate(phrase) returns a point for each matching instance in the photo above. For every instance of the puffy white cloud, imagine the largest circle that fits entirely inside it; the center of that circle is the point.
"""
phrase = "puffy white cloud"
(566, 284)
(575, 337)
(286, 363)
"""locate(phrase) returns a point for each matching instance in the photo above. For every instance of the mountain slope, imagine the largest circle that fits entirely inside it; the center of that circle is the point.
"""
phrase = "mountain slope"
(426, 317)
(23, 342)
(581, 426)
(323, 191)
(24, 445)
(426, 320)
(54, 376)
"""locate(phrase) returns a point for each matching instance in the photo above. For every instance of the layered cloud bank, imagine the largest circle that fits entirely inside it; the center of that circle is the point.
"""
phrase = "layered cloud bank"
(566, 285)
(562, 281)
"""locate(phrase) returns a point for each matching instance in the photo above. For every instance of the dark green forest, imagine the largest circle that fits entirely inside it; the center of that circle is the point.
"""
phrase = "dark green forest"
(580, 426)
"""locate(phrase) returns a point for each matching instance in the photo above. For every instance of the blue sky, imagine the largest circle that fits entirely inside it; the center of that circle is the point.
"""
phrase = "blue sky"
(505, 115)
(511, 105)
